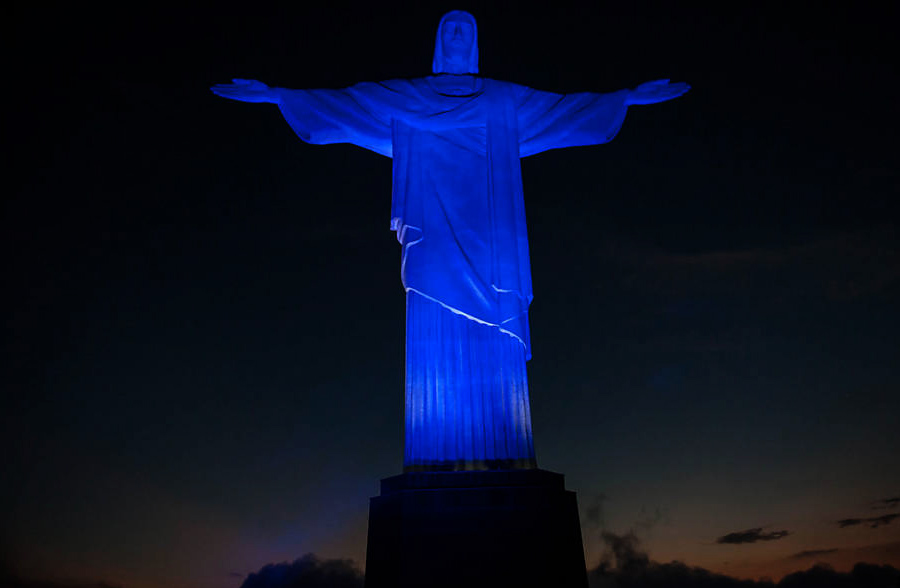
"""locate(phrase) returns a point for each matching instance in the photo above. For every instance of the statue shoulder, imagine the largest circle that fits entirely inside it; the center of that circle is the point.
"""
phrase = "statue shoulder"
(508, 91)
(402, 85)
(508, 88)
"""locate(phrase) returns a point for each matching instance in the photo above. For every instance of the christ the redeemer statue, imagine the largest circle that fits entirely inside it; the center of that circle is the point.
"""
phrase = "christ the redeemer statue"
(455, 139)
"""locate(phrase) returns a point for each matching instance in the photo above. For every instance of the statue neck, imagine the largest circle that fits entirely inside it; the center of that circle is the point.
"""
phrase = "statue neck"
(455, 84)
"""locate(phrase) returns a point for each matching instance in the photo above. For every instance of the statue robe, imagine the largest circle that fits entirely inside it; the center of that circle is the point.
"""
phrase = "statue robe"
(459, 213)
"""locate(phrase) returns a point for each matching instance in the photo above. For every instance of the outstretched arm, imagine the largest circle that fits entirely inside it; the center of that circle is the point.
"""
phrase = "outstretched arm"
(553, 121)
(246, 91)
(359, 115)
(655, 91)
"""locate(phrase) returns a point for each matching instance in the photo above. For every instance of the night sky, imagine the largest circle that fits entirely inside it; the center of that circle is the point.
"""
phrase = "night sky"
(203, 326)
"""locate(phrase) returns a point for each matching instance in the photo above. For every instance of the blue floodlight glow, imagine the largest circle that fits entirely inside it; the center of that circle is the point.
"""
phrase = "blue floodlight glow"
(457, 207)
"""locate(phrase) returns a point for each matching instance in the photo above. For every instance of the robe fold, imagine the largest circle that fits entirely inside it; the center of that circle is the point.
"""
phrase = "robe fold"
(459, 213)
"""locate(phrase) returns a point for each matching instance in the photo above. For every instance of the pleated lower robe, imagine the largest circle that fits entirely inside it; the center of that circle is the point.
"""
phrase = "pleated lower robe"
(467, 403)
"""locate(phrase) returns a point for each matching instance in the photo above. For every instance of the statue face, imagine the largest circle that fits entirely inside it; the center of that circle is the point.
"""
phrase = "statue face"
(456, 46)
(457, 36)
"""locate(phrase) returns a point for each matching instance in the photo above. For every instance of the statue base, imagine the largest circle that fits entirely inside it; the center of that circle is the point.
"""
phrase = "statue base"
(475, 528)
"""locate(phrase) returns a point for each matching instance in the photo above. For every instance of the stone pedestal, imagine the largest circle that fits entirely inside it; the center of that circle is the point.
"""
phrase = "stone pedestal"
(477, 528)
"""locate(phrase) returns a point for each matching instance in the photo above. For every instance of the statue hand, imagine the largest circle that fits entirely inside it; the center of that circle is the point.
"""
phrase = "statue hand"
(656, 91)
(245, 91)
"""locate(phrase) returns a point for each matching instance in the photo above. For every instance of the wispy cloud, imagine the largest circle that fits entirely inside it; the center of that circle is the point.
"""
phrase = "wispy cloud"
(594, 511)
(751, 536)
(873, 522)
(887, 503)
(625, 564)
(812, 553)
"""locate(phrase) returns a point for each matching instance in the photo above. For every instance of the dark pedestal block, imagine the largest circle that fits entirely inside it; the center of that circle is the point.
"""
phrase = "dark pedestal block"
(481, 528)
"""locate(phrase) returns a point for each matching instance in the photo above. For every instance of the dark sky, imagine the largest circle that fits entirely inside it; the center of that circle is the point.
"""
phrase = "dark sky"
(203, 333)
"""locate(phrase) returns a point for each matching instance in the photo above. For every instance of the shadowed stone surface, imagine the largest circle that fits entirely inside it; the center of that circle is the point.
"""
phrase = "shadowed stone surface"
(489, 528)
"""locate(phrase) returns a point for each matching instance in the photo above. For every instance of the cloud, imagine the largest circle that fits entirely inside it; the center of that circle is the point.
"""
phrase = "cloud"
(649, 520)
(811, 553)
(873, 522)
(308, 571)
(626, 565)
(887, 503)
(594, 511)
(751, 536)
(623, 552)
(862, 575)
(668, 575)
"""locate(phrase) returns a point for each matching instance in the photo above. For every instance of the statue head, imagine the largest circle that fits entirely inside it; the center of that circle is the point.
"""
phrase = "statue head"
(456, 48)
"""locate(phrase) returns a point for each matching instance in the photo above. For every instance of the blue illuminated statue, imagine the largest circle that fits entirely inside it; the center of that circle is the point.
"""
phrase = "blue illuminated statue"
(455, 139)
